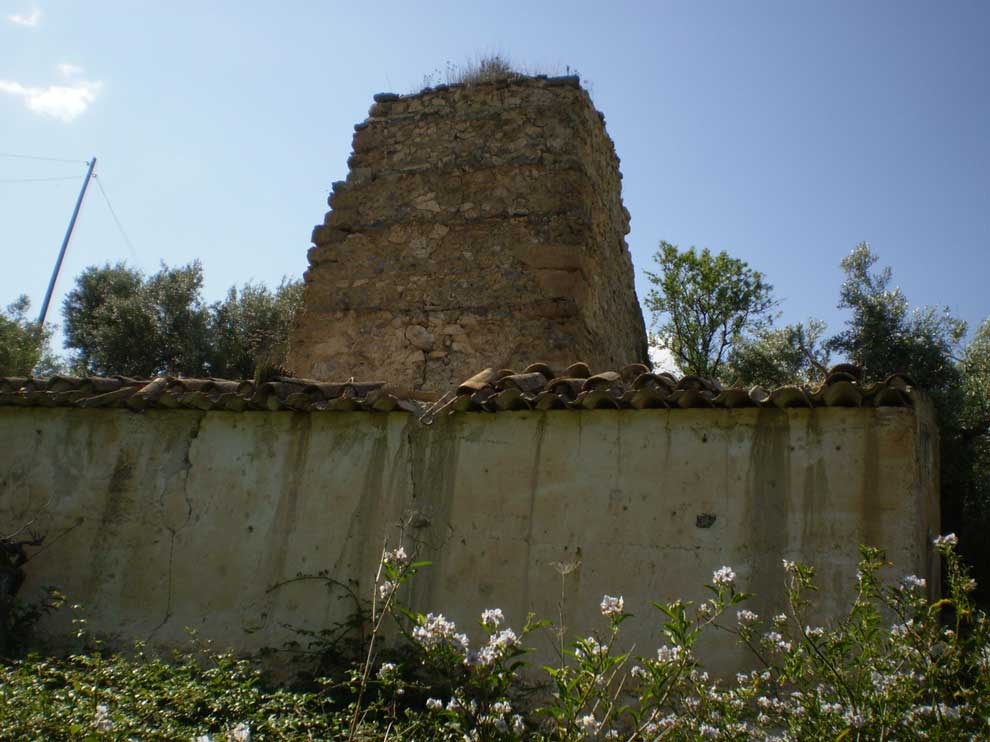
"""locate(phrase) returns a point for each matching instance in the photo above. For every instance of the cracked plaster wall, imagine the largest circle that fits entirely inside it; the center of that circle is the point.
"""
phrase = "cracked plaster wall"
(168, 519)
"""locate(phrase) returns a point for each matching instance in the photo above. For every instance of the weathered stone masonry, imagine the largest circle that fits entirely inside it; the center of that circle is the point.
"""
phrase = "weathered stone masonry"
(478, 226)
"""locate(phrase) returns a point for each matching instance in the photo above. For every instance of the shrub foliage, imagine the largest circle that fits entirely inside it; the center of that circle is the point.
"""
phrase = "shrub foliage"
(895, 666)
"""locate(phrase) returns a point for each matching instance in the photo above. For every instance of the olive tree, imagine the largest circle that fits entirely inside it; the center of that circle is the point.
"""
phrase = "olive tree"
(119, 321)
(24, 343)
(703, 305)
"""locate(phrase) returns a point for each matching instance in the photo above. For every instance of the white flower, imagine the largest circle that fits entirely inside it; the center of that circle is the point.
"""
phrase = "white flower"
(612, 607)
(789, 566)
(240, 733)
(386, 671)
(587, 725)
(103, 721)
(780, 619)
(591, 649)
(747, 617)
(498, 646)
(502, 707)
(724, 577)
(774, 638)
(639, 672)
(667, 654)
(492, 618)
(911, 582)
(854, 720)
(948, 539)
(435, 631)
(901, 630)
(386, 589)
(397, 558)
(708, 732)
(434, 704)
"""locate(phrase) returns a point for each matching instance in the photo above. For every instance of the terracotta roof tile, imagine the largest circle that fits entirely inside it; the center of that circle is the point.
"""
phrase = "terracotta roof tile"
(538, 387)
(635, 387)
(301, 395)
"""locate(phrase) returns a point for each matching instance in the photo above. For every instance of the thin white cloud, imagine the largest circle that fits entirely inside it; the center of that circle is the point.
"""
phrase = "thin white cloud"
(68, 71)
(663, 360)
(64, 102)
(29, 21)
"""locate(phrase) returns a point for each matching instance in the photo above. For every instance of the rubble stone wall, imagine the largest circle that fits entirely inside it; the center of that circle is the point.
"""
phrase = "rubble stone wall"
(478, 226)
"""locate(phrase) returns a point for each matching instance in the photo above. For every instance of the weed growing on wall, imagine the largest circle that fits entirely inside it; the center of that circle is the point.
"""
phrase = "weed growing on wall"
(897, 666)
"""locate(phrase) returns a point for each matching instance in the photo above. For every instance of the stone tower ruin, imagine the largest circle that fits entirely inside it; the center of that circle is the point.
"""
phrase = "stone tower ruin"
(480, 225)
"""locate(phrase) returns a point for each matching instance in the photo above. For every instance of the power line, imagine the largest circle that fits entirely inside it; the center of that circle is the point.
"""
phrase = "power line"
(127, 240)
(46, 159)
(38, 180)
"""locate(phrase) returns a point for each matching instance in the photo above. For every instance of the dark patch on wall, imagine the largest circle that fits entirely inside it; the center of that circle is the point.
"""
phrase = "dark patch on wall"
(704, 520)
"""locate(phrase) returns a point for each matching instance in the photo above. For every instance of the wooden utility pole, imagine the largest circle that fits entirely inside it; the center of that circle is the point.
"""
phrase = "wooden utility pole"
(65, 244)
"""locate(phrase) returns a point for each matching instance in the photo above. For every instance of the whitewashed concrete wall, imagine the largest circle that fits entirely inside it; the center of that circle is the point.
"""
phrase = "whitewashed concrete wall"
(168, 519)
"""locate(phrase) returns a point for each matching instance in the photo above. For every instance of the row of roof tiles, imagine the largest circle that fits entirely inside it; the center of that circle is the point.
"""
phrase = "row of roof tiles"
(537, 387)
(636, 387)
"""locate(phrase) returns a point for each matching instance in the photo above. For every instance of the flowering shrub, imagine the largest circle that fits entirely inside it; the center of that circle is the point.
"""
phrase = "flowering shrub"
(895, 667)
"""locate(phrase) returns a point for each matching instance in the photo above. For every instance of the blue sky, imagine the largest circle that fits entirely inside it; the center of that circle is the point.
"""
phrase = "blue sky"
(783, 133)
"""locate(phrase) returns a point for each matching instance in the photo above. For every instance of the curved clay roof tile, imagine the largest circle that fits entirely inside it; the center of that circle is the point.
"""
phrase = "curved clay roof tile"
(790, 396)
(842, 394)
(633, 371)
(847, 368)
(531, 383)
(604, 380)
(540, 368)
(579, 370)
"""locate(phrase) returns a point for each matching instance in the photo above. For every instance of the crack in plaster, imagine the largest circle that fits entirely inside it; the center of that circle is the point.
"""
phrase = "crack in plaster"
(185, 466)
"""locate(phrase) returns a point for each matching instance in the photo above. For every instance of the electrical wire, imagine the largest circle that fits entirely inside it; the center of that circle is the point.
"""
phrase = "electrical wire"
(39, 180)
(46, 159)
(116, 221)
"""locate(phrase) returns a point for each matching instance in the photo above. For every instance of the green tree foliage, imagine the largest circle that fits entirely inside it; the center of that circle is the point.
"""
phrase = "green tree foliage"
(794, 354)
(703, 305)
(884, 335)
(251, 327)
(24, 344)
(975, 367)
(970, 454)
(120, 322)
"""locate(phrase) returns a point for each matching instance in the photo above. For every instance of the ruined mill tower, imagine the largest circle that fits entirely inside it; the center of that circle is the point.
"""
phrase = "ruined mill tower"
(480, 225)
